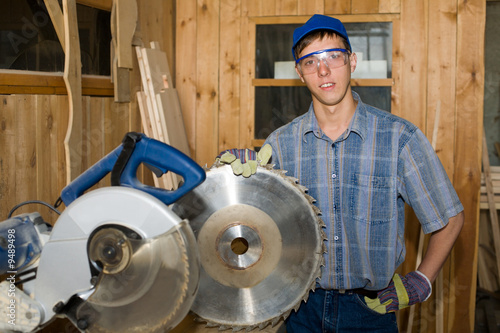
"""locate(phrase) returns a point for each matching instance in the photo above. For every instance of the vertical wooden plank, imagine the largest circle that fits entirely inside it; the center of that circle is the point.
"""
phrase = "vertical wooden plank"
(247, 97)
(310, 7)
(413, 85)
(396, 68)
(467, 175)
(25, 153)
(156, 19)
(186, 69)
(259, 7)
(96, 130)
(389, 6)
(46, 153)
(286, 7)
(207, 55)
(414, 61)
(83, 149)
(95, 134)
(73, 80)
(59, 104)
(442, 76)
(441, 98)
(364, 6)
(336, 7)
(229, 87)
(8, 147)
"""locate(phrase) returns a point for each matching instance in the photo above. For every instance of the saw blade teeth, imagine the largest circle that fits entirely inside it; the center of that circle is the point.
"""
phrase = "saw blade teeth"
(261, 326)
(311, 199)
(317, 211)
(303, 189)
(286, 314)
(251, 328)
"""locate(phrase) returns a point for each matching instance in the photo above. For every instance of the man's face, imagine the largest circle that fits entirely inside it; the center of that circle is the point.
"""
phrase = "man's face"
(328, 86)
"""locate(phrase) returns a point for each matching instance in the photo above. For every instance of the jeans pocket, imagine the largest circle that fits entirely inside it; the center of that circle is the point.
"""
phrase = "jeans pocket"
(361, 300)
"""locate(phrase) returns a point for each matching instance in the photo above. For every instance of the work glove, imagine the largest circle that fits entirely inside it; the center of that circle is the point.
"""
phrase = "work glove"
(402, 292)
(245, 161)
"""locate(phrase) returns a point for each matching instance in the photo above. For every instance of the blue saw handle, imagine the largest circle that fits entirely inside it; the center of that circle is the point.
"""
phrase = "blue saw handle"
(159, 155)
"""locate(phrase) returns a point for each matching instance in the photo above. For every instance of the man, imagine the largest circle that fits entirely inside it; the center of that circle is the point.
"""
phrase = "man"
(362, 165)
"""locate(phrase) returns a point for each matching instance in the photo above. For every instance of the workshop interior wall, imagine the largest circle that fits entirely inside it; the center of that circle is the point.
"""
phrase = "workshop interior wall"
(441, 66)
(33, 126)
(440, 59)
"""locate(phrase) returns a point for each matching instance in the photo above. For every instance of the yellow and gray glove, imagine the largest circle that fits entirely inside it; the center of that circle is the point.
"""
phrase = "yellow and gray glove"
(402, 292)
(245, 161)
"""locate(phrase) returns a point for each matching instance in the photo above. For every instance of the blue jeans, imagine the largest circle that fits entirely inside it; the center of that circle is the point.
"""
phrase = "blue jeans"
(328, 311)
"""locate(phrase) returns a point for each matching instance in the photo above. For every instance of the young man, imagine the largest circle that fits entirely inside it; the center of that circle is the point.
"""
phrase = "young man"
(362, 165)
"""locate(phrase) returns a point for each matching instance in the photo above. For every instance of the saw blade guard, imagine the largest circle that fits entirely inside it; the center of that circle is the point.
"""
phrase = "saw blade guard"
(146, 285)
(122, 252)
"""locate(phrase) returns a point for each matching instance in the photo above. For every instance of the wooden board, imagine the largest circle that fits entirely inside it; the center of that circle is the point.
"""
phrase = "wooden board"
(185, 71)
(467, 167)
(207, 80)
(126, 21)
(160, 107)
(73, 79)
(310, 7)
(229, 106)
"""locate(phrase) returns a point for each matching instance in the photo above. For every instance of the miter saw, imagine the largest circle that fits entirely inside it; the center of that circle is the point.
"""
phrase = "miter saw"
(240, 253)
(117, 259)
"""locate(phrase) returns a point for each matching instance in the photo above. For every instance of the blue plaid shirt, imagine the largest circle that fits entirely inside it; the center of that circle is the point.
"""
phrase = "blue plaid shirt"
(361, 182)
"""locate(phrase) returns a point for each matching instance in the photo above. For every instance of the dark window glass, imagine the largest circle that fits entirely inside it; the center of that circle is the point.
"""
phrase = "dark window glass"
(28, 40)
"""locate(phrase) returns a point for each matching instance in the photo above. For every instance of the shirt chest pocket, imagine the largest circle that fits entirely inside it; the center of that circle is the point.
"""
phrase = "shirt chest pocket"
(371, 198)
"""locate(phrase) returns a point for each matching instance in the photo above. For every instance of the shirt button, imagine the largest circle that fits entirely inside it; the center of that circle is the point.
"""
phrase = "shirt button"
(334, 176)
(336, 238)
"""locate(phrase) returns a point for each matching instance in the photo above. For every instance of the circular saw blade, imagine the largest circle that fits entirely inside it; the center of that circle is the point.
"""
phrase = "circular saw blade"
(143, 258)
(150, 294)
(261, 246)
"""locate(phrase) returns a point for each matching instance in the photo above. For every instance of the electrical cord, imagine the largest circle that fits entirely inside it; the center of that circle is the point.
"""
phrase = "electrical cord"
(32, 202)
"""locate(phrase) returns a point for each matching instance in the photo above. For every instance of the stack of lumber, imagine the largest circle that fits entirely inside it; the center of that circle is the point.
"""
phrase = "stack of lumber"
(159, 106)
(495, 180)
(489, 229)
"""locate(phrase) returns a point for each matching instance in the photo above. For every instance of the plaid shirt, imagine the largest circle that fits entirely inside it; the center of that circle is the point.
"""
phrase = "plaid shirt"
(361, 182)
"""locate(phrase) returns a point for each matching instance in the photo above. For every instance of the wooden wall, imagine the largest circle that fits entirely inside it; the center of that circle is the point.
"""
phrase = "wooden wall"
(34, 120)
(440, 65)
(440, 60)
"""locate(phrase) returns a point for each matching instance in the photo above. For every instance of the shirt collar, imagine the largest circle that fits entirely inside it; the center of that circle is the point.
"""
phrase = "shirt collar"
(358, 123)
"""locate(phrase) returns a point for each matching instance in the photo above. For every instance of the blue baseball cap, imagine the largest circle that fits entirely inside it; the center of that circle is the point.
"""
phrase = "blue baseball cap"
(319, 22)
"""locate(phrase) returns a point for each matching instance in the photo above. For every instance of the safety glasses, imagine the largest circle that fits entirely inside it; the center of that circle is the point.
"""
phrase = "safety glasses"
(333, 58)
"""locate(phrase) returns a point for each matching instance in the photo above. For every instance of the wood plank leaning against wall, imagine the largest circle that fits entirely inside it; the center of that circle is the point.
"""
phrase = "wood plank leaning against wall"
(437, 70)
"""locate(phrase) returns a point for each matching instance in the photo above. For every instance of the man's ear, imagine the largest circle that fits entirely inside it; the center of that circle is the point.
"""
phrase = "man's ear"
(298, 73)
(353, 59)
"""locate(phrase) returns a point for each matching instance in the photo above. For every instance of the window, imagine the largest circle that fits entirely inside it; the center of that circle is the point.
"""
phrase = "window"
(279, 94)
(29, 42)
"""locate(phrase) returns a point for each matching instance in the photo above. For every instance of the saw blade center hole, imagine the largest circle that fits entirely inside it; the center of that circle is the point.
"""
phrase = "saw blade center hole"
(239, 245)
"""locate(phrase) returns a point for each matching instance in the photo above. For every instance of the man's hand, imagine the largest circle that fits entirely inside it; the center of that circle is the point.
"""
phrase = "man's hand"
(402, 292)
(244, 161)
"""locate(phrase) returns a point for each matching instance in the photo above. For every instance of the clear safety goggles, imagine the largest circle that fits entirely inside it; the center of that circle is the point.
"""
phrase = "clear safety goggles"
(333, 58)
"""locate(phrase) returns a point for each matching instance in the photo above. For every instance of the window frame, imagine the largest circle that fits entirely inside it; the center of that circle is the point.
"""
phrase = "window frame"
(248, 114)
(34, 82)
